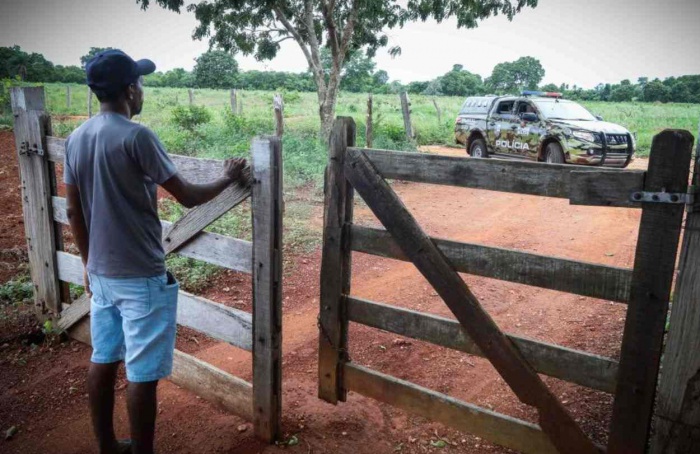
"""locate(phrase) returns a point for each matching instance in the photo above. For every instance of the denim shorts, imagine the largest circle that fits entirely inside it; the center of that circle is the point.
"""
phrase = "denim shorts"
(134, 320)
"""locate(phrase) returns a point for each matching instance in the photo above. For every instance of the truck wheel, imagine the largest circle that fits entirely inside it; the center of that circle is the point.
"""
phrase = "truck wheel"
(478, 149)
(554, 154)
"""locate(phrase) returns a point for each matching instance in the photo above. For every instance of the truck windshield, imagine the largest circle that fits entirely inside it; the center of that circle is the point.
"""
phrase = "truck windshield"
(563, 110)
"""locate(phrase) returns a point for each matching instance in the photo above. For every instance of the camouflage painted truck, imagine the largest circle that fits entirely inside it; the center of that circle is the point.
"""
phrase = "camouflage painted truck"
(540, 126)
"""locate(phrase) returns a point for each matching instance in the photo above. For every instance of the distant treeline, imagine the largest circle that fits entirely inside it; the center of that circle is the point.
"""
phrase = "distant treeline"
(217, 69)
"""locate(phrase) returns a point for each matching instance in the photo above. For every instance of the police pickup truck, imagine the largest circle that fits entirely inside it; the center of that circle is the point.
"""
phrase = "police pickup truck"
(540, 126)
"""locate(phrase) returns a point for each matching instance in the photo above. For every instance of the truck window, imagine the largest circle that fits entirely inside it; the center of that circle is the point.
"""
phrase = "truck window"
(505, 107)
(525, 107)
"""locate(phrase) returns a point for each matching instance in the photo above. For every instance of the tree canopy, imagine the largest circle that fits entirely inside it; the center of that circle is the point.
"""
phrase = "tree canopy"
(257, 27)
(525, 73)
(216, 69)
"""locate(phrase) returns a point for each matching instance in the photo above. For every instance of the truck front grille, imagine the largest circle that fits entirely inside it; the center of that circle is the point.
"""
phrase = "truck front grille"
(616, 139)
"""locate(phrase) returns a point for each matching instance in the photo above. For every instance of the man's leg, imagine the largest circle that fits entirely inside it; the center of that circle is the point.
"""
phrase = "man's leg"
(101, 379)
(142, 404)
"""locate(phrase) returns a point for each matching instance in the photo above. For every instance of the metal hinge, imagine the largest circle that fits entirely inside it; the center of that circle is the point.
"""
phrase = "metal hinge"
(676, 198)
(26, 149)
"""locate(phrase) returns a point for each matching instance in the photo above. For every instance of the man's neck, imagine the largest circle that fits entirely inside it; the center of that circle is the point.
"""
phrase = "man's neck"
(117, 108)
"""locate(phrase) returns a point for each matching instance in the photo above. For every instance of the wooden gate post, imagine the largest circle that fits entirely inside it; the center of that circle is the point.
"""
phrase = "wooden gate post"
(267, 287)
(234, 103)
(68, 96)
(335, 265)
(677, 416)
(657, 245)
(30, 139)
(406, 110)
(190, 93)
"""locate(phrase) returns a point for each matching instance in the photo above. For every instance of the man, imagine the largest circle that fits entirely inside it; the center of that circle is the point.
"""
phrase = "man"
(112, 167)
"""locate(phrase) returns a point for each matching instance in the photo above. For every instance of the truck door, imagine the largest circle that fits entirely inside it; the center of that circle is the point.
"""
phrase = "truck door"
(500, 126)
(527, 133)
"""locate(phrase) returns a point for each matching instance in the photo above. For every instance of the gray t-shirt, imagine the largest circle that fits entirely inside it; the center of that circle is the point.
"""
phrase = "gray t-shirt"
(116, 165)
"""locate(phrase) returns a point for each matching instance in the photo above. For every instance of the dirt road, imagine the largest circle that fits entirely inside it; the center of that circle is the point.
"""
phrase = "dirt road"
(46, 399)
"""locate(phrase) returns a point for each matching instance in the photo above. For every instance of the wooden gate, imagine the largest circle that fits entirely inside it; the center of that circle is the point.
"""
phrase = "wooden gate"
(661, 192)
(259, 332)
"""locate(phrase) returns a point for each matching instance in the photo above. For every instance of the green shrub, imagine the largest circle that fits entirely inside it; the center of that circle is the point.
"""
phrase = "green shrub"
(189, 117)
(17, 290)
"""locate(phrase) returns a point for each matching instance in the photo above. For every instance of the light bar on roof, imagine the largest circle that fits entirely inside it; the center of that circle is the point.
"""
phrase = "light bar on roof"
(545, 94)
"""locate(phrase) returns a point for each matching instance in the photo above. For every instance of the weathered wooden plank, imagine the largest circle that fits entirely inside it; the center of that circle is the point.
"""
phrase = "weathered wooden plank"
(551, 180)
(213, 319)
(196, 219)
(195, 170)
(657, 244)
(555, 420)
(335, 270)
(213, 248)
(494, 427)
(581, 278)
(267, 286)
(212, 384)
(75, 312)
(30, 138)
(575, 366)
(677, 412)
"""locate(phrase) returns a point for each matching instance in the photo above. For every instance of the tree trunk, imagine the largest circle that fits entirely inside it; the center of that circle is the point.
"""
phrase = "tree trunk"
(328, 99)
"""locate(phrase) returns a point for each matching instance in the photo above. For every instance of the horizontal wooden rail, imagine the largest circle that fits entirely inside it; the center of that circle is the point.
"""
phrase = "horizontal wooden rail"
(575, 366)
(581, 185)
(196, 170)
(587, 279)
(495, 427)
(213, 319)
(211, 383)
(213, 248)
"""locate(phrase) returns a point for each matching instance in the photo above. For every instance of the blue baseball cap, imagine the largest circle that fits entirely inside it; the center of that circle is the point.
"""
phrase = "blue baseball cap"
(113, 70)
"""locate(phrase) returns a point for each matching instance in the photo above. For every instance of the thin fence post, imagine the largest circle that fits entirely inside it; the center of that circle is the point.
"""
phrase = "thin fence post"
(89, 102)
(234, 103)
(335, 265)
(650, 291)
(68, 96)
(439, 112)
(368, 123)
(30, 121)
(677, 416)
(278, 104)
(267, 286)
(190, 93)
(406, 110)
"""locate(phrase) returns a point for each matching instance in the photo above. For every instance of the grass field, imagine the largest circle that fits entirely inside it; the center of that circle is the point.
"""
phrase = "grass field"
(301, 117)
(227, 135)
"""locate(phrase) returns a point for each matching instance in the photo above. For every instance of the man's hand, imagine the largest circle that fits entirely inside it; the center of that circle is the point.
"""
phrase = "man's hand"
(86, 282)
(233, 169)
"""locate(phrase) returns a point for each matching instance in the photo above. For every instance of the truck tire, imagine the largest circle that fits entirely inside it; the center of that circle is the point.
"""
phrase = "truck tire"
(478, 149)
(553, 154)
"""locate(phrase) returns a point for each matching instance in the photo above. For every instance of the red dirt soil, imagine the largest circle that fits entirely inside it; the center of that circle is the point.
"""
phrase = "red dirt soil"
(43, 392)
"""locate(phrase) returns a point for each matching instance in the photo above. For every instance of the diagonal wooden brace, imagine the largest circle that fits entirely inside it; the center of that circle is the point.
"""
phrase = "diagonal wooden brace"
(189, 225)
(555, 421)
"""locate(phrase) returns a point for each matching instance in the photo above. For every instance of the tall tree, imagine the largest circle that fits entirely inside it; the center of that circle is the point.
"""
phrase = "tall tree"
(513, 76)
(215, 69)
(259, 26)
(460, 82)
(91, 53)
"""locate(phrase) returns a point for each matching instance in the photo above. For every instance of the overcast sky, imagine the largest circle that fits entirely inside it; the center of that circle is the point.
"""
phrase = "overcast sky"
(581, 42)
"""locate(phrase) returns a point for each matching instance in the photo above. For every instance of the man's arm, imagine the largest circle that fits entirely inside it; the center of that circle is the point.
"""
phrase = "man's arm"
(192, 194)
(76, 219)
